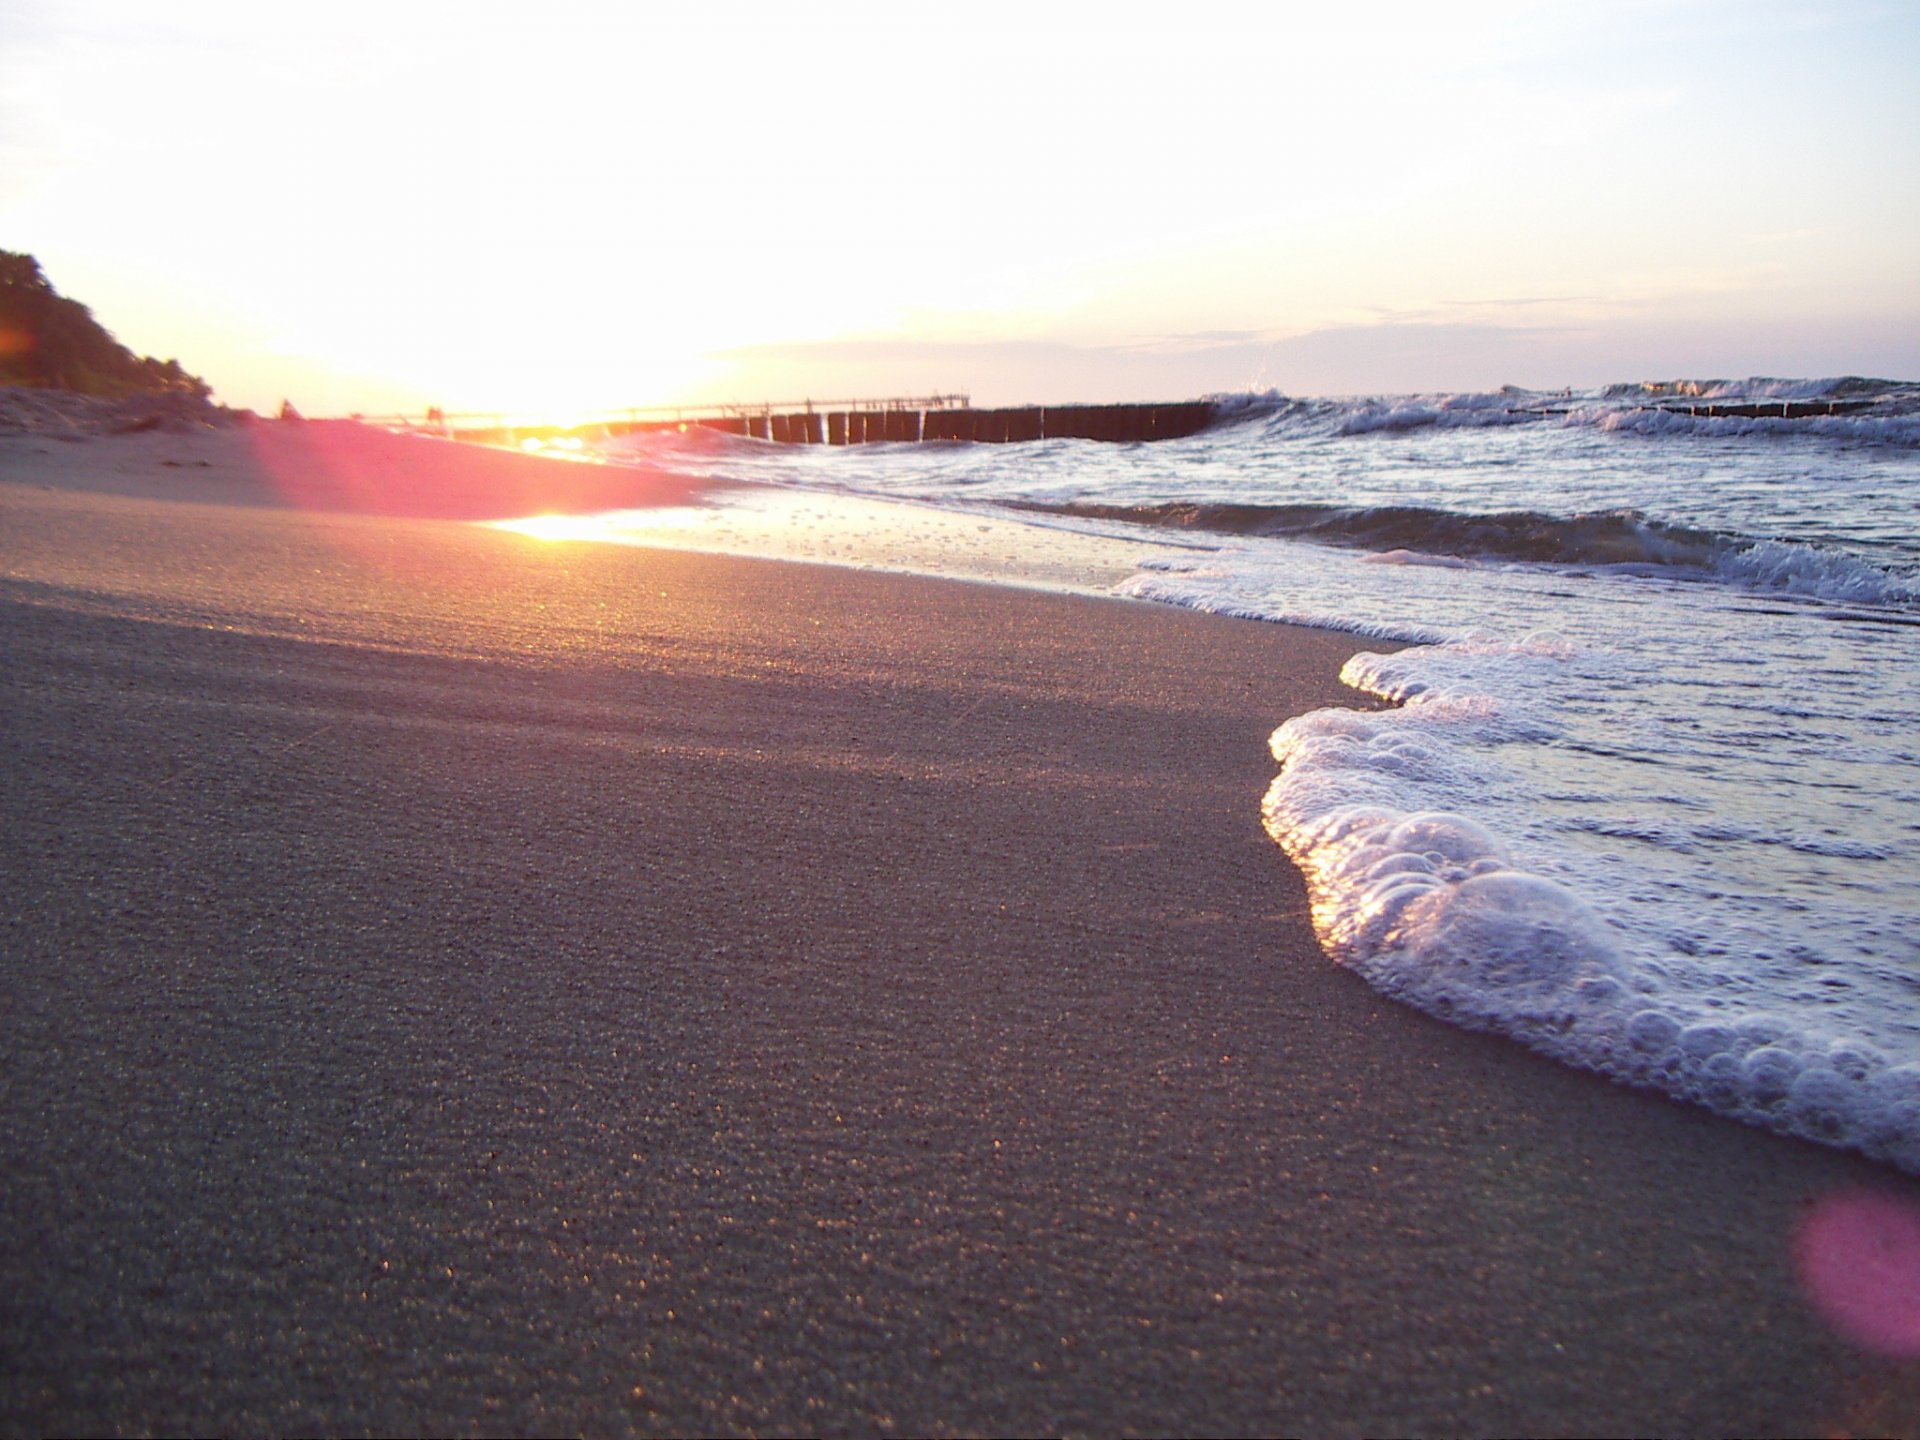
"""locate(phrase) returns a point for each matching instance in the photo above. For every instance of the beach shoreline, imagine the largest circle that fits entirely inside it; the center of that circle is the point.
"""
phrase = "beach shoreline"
(464, 982)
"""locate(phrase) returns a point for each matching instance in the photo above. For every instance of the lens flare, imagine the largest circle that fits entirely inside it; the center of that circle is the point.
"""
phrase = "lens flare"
(1858, 1254)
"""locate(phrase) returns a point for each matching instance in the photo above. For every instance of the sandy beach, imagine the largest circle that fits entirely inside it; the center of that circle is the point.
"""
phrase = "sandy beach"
(457, 982)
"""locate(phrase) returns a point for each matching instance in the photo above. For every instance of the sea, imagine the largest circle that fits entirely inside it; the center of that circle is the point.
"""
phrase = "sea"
(1647, 799)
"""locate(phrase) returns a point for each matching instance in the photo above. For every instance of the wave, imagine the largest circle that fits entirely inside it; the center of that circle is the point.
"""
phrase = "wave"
(1618, 539)
(1896, 428)
(1758, 387)
(1610, 538)
(1847, 407)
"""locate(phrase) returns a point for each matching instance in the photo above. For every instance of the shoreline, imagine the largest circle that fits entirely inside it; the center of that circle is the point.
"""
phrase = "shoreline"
(463, 982)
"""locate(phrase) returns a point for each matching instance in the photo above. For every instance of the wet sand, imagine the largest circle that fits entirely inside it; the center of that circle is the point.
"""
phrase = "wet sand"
(455, 982)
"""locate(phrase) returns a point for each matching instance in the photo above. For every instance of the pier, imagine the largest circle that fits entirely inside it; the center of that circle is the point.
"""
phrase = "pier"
(906, 420)
(912, 420)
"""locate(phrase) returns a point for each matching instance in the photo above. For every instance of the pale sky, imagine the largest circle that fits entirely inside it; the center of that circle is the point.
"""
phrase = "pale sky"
(564, 206)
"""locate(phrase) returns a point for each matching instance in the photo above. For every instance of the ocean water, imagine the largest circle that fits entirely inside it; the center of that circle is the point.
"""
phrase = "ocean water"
(1650, 799)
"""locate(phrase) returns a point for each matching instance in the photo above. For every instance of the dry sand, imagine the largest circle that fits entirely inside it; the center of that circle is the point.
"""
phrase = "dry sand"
(459, 983)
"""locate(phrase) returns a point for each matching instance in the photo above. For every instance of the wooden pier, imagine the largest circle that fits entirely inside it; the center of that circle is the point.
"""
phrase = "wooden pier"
(912, 420)
(896, 421)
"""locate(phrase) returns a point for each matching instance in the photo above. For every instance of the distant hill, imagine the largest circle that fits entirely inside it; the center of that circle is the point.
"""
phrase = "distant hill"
(49, 341)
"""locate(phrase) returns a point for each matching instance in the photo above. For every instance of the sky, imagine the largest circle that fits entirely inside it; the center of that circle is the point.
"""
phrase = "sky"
(559, 208)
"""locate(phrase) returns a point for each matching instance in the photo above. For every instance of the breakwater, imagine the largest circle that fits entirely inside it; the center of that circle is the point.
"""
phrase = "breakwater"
(851, 422)
(953, 418)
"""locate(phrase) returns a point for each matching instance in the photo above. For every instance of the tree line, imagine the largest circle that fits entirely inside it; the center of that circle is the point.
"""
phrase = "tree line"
(55, 343)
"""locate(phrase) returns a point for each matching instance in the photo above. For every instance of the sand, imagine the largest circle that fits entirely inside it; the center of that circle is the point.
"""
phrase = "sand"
(455, 982)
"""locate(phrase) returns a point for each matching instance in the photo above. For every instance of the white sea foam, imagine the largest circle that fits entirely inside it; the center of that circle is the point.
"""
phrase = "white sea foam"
(1447, 411)
(1416, 557)
(1811, 571)
(1433, 908)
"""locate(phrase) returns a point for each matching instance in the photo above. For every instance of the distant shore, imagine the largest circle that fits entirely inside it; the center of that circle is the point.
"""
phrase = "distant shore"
(459, 982)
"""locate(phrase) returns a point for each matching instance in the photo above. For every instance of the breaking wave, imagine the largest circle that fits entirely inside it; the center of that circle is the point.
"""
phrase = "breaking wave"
(1849, 408)
(1615, 539)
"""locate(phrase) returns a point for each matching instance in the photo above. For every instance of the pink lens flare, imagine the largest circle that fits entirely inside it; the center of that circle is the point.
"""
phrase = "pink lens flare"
(1858, 1254)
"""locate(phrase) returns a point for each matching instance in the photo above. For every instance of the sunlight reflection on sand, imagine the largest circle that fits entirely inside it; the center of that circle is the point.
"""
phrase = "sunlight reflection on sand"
(865, 534)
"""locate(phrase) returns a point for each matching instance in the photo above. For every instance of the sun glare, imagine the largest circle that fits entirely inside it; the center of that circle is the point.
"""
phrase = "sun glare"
(556, 527)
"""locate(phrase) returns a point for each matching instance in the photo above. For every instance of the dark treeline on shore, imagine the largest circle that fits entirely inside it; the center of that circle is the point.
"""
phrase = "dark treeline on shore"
(51, 341)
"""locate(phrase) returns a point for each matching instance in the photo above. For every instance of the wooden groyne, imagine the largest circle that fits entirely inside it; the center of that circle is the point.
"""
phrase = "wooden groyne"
(953, 418)
(1762, 409)
(1121, 424)
(900, 421)
(1720, 409)
(1725, 409)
